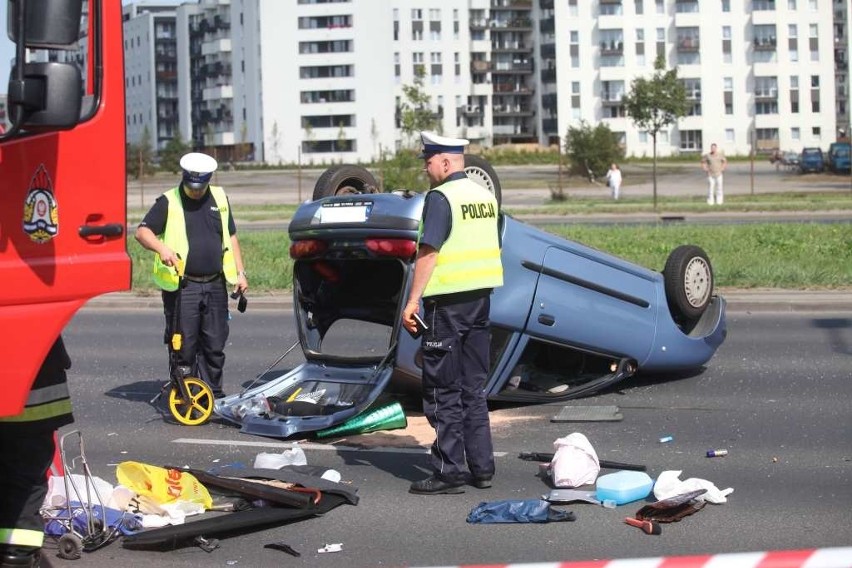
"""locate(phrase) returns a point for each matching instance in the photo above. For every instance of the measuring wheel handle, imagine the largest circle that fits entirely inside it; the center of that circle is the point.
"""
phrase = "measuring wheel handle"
(191, 401)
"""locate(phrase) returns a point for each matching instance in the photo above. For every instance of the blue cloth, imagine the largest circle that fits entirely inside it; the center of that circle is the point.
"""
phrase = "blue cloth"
(56, 524)
(518, 511)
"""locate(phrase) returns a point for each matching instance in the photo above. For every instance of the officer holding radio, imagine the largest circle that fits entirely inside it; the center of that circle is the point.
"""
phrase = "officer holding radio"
(193, 223)
(457, 266)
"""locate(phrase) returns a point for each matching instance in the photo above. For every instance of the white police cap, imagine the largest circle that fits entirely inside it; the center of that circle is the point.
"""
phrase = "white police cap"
(197, 169)
(436, 144)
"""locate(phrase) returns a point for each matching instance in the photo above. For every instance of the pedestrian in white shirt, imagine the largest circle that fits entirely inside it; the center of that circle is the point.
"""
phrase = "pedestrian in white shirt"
(613, 180)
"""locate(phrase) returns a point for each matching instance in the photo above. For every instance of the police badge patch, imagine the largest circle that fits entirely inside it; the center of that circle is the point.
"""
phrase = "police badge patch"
(41, 215)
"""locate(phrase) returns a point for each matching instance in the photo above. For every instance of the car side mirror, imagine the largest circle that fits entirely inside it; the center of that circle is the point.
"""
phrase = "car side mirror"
(50, 24)
(42, 107)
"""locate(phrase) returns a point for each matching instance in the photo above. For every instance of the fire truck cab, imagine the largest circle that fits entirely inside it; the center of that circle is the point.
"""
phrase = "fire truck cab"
(62, 177)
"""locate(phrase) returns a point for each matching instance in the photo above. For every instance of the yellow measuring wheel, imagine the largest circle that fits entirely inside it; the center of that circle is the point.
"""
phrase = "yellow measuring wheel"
(196, 407)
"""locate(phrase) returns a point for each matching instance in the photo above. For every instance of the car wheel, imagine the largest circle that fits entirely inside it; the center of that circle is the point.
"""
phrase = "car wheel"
(479, 170)
(688, 278)
(345, 180)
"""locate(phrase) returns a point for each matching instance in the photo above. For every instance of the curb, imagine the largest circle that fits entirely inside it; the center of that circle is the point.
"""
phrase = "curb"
(813, 558)
(739, 301)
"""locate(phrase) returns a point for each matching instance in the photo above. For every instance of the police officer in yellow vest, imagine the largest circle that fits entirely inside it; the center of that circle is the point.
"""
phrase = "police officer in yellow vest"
(192, 223)
(26, 451)
(457, 266)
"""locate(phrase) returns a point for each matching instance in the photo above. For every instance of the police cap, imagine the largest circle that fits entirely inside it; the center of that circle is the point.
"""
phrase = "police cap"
(436, 144)
(197, 169)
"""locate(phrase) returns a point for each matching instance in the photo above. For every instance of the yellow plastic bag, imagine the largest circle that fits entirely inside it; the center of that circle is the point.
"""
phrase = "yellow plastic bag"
(161, 484)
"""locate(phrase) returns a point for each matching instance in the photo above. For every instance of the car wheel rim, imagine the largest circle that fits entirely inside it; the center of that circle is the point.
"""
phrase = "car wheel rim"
(696, 282)
(480, 177)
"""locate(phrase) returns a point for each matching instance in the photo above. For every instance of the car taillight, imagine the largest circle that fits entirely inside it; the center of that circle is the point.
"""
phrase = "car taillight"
(400, 248)
(307, 248)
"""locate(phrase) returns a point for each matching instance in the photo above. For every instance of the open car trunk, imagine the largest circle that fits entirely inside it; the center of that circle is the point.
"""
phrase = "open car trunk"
(351, 271)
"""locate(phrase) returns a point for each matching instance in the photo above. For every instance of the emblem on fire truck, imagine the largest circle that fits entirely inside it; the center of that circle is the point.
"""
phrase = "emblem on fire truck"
(41, 215)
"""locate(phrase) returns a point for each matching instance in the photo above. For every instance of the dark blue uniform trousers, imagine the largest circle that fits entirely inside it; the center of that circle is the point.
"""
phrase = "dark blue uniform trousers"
(455, 368)
(204, 325)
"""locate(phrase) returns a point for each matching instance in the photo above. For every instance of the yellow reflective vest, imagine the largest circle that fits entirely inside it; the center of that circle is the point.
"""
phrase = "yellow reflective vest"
(174, 236)
(470, 257)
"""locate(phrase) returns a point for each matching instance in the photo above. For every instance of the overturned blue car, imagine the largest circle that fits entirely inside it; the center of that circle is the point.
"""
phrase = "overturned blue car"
(568, 321)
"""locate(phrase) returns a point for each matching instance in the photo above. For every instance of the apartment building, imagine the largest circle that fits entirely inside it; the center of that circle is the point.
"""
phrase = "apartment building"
(150, 73)
(321, 81)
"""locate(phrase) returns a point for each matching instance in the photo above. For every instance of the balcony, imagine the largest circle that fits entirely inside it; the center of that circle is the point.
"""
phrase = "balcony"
(511, 5)
(688, 44)
(612, 47)
(517, 67)
(764, 44)
(766, 96)
(480, 66)
(548, 75)
(545, 4)
(512, 110)
(513, 88)
(479, 24)
(609, 98)
(515, 24)
(470, 110)
(610, 1)
(511, 47)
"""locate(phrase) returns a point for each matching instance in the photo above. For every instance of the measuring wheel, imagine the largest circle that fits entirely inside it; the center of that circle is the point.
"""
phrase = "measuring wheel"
(198, 409)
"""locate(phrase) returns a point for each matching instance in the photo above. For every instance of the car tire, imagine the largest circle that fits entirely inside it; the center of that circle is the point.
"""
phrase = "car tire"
(479, 170)
(345, 179)
(689, 280)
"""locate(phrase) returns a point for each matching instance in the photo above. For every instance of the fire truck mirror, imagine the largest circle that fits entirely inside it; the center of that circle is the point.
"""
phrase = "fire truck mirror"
(55, 107)
(50, 24)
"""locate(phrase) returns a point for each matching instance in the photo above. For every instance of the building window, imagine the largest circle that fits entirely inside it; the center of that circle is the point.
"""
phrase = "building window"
(766, 138)
(610, 9)
(457, 65)
(436, 67)
(417, 63)
(326, 146)
(690, 140)
(728, 94)
(397, 68)
(575, 48)
(325, 71)
(572, 8)
(727, 56)
(813, 5)
(640, 7)
(726, 5)
(813, 41)
(328, 121)
(816, 132)
(575, 99)
(339, 46)
(661, 42)
(640, 46)
(764, 5)
(795, 133)
(693, 96)
(337, 96)
(794, 94)
(643, 137)
(791, 4)
(660, 6)
(324, 22)
(729, 135)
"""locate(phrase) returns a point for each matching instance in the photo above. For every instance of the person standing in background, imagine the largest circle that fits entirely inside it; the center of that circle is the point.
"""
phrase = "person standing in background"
(613, 180)
(714, 163)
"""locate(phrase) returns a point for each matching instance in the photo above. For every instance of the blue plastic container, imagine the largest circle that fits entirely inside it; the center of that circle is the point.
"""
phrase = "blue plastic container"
(623, 486)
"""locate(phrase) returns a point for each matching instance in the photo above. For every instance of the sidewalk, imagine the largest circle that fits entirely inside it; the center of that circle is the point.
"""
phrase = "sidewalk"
(739, 301)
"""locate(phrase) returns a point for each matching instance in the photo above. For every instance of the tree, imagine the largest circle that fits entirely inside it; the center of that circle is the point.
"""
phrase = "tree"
(416, 110)
(140, 156)
(656, 103)
(170, 155)
(592, 150)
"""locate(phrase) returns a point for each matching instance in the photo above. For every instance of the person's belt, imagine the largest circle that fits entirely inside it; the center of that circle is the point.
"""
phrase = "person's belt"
(202, 278)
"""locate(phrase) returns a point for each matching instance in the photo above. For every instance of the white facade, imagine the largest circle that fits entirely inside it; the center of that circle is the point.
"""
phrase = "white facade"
(764, 59)
(139, 84)
(321, 82)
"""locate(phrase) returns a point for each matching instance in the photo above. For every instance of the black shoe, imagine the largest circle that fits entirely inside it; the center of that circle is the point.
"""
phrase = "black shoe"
(434, 486)
(482, 481)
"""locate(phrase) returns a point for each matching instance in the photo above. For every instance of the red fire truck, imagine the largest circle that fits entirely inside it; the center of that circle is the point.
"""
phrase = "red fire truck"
(62, 178)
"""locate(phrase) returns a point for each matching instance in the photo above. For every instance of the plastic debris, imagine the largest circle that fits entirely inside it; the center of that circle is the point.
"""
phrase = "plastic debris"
(666, 439)
(717, 453)
(336, 547)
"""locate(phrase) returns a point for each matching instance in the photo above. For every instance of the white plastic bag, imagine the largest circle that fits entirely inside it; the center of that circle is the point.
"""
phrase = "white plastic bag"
(575, 462)
(294, 456)
(668, 484)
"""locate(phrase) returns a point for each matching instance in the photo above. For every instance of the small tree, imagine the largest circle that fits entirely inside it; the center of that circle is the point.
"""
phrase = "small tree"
(592, 149)
(416, 110)
(656, 103)
(140, 156)
(170, 155)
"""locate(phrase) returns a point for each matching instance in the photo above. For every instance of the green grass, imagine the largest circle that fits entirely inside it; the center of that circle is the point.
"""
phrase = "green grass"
(794, 256)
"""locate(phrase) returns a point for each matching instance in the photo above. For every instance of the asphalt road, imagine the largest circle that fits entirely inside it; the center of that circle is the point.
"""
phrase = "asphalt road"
(775, 396)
